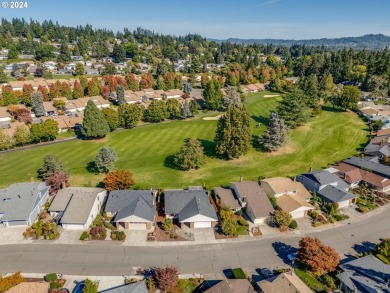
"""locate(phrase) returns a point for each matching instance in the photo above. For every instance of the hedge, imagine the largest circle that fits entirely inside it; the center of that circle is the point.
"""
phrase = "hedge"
(51, 277)
(238, 273)
(293, 225)
(383, 258)
(7, 283)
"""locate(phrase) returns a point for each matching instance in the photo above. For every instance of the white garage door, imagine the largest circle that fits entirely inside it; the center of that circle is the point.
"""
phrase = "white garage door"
(202, 224)
(343, 204)
(298, 214)
(137, 226)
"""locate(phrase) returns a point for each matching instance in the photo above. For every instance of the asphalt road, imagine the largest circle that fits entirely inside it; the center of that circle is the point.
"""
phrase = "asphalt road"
(209, 259)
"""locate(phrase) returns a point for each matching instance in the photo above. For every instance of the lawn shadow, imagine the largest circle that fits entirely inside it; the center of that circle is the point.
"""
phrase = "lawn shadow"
(209, 149)
(261, 119)
(228, 273)
(332, 109)
(91, 168)
(282, 250)
(169, 162)
(365, 246)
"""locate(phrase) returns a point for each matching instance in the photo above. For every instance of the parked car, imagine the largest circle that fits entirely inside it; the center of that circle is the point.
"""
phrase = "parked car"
(291, 257)
(267, 273)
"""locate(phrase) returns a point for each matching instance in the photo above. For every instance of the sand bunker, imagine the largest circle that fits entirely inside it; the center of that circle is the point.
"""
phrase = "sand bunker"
(212, 118)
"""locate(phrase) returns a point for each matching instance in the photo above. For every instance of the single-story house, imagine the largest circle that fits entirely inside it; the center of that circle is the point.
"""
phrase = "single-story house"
(377, 150)
(354, 175)
(254, 200)
(366, 274)
(285, 283)
(332, 193)
(317, 180)
(21, 203)
(376, 168)
(191, 208)
(279, 186)
(77, 206)
(5, 118)
(224, 197)
(100, 102)
(138, 287)
(132, 209)
(383, 132)
(296, 206)
(50, 110)
(232, 286)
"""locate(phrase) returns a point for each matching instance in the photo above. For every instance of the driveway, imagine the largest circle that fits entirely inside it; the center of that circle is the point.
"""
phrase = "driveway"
(203, 234)
(136, 236)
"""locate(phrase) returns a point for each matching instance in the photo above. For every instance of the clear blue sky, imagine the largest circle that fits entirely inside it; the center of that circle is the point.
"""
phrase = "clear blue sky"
(292, 19)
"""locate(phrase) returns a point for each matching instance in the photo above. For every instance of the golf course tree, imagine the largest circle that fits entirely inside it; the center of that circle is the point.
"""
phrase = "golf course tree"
(37, 103)
(105, 159)
(156, 112)
(293, 108)
(173, 109)
(316, 257)
(118, 180)
(112, 118)
(130, 115)
(232, 97)
(94, 123)
(120, 95)
(276, 134)
(190, 156)
(57, 181)
(233, 135)
(212, 95)
(350, 97)
(51, 165)
(186, 110)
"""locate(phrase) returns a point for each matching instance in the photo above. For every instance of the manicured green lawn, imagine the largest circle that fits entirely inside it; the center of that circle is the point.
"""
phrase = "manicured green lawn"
(310, 281)
(330, 137)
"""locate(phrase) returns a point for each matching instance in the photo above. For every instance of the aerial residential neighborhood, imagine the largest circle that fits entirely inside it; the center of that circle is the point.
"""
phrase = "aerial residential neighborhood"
(209, 146)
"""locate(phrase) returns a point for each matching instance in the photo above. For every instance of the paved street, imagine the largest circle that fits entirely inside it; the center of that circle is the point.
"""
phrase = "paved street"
(210, 259)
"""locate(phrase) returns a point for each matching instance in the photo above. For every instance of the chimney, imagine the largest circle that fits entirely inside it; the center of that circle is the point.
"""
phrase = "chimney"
(311, 169)
(241, 178)
(295, 179)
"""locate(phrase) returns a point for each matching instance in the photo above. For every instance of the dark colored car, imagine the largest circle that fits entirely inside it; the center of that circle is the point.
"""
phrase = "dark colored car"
(267, 273)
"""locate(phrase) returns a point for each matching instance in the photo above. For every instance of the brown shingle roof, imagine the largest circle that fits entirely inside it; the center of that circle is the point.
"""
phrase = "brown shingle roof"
(382, 132)
(283, 184)
(232, 286)
(284, 283)
(30, 287)
(290, 203)
(227, 197)
(256, 197)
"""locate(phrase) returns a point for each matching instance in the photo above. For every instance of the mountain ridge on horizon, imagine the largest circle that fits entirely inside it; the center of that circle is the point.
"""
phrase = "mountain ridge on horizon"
(368, 41)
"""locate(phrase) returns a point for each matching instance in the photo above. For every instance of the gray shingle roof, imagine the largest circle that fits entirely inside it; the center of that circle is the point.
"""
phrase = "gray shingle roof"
(369, 165)
(334, 194)
(189, 203)
(131, 202)
(80, 205)
(366, 272)
(325, 178)
(18, 200)
(139, 287)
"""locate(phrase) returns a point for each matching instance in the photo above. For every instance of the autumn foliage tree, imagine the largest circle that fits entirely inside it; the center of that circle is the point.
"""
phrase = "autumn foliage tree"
(57, 180)
(166, 278)
(317, 257)
(118, 180)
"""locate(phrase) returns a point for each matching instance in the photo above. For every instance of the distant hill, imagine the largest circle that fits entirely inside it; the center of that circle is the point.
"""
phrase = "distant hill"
(373, 42)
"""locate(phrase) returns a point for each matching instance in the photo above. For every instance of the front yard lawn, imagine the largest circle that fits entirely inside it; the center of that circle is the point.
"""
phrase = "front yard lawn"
(310, 281)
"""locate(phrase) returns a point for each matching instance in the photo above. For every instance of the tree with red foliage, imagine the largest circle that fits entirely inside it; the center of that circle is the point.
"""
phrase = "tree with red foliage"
(54, 91)
(78, 91)
(146, 81)
(169, 80)
(65, 90)
(111, 82)
(23, 115)
(118, 180)
(44, 92)
(26, 94)
(57, 180)
(105, 91)
(120, 80)
(317, 257)
(166, 278)
(132, 82)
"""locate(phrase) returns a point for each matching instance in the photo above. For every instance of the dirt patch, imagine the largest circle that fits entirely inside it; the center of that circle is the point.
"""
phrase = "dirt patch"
(287, 149)
(213, 118)
(271, 96)
(305, 128)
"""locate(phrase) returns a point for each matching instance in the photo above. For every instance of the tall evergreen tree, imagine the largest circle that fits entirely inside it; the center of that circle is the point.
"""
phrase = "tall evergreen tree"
(186, 110)
(276, 134)
(120, 95)
(94, 123)
(190, 156)
(231, 97)
(119, 53)
(233, 135)
(51, 165)
(293, 108)
(37, 103)
(187, 88)
(105, 159)
(212, 95)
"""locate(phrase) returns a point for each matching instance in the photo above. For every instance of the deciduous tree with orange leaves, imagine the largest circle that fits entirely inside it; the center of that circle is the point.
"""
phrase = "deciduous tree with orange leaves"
(317, 257)
(167, 278)
(118, 180)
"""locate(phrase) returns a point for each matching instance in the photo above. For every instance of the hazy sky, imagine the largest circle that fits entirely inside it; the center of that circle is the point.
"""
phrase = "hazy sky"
(288, 19)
